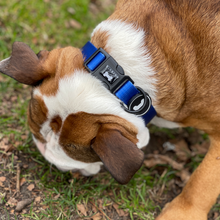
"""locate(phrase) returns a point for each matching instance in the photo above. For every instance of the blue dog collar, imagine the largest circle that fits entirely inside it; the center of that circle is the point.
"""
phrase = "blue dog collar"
(101, 65)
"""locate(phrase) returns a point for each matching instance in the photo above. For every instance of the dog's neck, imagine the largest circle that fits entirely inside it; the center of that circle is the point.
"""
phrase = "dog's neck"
(125, 43)
(128, 45)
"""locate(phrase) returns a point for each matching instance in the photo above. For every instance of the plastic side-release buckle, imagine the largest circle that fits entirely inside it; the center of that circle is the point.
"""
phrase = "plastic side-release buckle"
(106, 69)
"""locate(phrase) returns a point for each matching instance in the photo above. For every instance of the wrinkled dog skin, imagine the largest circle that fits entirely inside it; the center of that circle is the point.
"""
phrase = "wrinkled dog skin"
(171, 49)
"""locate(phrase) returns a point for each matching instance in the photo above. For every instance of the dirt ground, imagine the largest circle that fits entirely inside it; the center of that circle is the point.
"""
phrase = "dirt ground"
(183, 153)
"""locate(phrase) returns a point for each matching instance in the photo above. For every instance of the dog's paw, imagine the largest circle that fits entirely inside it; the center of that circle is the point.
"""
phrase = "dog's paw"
(177, 210)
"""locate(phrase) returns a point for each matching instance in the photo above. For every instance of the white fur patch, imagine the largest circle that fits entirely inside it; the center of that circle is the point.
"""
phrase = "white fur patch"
(126, 43)
(160, 122)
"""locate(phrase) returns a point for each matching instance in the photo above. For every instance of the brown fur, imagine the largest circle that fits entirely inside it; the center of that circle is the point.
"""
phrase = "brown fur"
(62, 62)
(100, 40)
(121, 167)
(56, 124)
(182, 37)
(23, 57)
(78, 134)
(105, 138)
(37, 115)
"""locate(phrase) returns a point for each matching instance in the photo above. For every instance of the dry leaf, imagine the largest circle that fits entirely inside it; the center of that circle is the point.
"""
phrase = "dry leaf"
(9, 148)
(24, 137)
(22, 181)
(93, 8)
(11, 202)
(2, 179)
(45, 206)
(71, 10)
(17, 143)
(22, 204)
(182, 150)
(97, 216)
(57, 196)
(30, 187)
(37, 199)
(82, 209)
(25, 166)
(179, 147)
(153, 160)
(216, 215)
(119, 211)
(14, 98)
(75, 24)
(201, 148)
(184, 175)
(100, 202)
(75, 175)
(94, 209)
(4, 144)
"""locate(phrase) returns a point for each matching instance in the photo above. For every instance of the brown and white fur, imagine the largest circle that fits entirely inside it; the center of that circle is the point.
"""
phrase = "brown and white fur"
(171, 49)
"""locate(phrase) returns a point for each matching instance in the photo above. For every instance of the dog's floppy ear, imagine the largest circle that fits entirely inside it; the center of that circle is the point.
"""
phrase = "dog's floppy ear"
(23, 65)
(120, 156)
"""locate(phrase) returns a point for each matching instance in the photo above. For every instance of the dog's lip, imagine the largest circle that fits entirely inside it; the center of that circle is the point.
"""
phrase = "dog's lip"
(41, 147)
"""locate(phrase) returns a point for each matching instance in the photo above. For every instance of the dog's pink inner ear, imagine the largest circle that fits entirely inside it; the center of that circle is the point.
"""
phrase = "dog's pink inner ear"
(120, 156)
(23, 65)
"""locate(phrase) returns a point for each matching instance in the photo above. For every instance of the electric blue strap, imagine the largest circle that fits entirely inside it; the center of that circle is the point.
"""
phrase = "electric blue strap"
(126, 91)
(87, 50)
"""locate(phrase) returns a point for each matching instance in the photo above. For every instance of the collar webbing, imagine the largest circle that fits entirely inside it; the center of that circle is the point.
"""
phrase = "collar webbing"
(100, 64)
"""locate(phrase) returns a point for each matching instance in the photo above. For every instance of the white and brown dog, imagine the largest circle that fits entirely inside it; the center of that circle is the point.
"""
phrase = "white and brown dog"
(171, 49)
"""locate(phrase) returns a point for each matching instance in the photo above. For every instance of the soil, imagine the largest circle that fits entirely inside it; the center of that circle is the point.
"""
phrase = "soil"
(11, 193)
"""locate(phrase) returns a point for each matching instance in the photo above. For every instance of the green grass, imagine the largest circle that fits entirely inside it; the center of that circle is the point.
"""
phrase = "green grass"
(133, 197)
(41, 25)
(46, 25)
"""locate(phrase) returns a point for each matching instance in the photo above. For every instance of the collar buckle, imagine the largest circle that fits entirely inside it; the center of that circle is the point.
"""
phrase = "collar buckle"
(105, 68)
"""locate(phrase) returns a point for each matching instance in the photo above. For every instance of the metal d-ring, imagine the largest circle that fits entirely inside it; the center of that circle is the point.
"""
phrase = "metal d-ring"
(135, 102)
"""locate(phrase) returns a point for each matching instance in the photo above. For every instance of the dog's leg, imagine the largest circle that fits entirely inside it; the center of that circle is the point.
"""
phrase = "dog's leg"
(201, 191)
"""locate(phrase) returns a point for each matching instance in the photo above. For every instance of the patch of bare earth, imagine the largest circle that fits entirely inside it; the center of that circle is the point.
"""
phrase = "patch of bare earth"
(19, 195)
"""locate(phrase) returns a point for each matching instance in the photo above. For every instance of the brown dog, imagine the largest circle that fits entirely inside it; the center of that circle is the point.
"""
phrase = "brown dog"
(171, 49)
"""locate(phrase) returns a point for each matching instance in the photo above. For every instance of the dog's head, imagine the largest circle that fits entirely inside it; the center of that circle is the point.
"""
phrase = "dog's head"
(76, 122)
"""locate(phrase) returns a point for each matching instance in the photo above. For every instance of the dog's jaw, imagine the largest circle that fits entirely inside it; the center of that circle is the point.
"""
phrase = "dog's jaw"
(55, 155)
